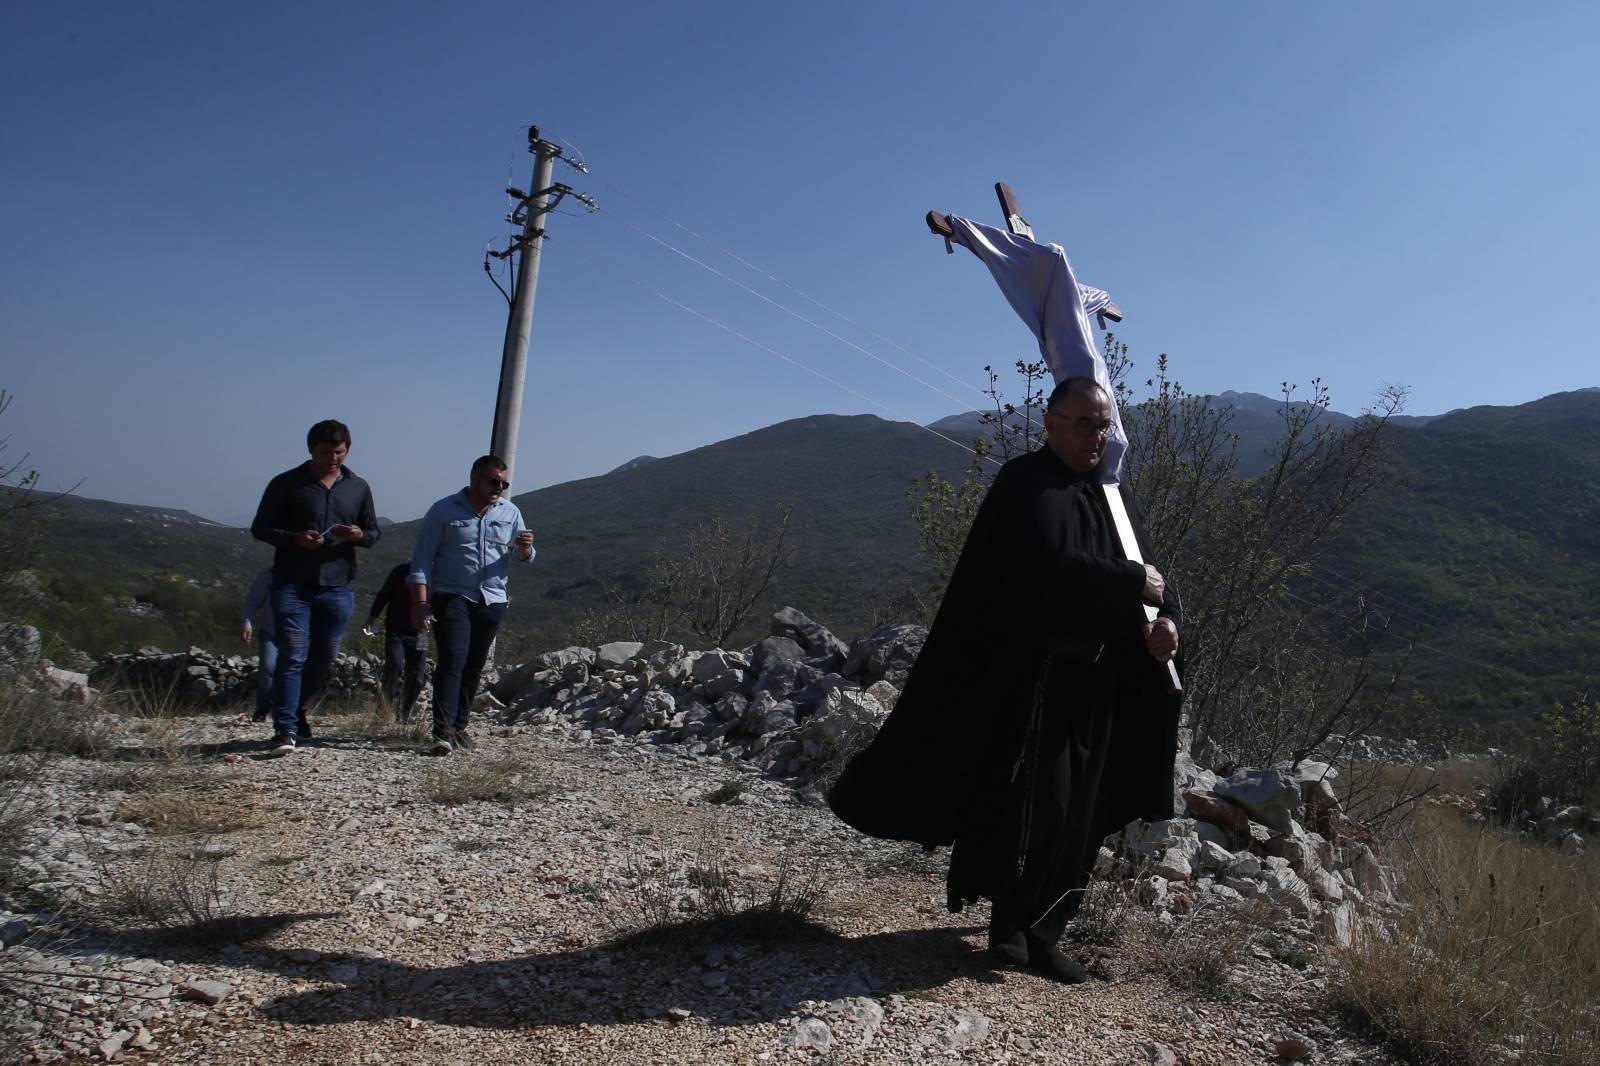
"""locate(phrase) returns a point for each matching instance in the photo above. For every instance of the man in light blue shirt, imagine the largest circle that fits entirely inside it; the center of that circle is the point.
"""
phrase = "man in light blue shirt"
(458, 586)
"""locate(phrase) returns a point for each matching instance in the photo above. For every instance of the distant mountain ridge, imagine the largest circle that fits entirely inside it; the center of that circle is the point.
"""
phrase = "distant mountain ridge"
(1484, 542)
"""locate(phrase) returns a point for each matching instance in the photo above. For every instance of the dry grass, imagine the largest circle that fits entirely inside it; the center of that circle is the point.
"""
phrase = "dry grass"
(713, 897)
(33, 722)
(728, 790)
(1497, 951)
(373, 717)
(188, 813)
(1108, 914)
(477, 779)
(757, 909)
(166, 887)
(1198, 951)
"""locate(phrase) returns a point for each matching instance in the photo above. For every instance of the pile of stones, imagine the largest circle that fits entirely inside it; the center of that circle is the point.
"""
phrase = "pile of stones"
(1560, 824)
(23, 663)
(801, 702)
(1258, 834)
(795, 704)
(201, 678)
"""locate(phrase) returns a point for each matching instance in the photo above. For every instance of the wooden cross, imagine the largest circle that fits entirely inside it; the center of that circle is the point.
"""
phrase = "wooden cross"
(1122, 525)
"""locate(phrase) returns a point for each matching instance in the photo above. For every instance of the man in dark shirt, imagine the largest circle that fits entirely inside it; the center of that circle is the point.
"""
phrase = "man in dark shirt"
(405, 650)
(314, 516)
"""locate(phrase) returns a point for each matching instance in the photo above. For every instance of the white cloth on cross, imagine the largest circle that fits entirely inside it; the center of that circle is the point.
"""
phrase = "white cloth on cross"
(1038, 282)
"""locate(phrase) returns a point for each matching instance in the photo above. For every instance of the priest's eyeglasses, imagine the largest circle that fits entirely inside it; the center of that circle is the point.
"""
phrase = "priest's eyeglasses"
(1083, 427)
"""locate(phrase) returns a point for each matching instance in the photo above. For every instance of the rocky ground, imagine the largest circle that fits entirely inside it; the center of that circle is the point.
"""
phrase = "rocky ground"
(565, 921)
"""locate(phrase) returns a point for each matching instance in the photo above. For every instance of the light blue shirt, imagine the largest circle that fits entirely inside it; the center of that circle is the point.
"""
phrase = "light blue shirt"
(460, 551)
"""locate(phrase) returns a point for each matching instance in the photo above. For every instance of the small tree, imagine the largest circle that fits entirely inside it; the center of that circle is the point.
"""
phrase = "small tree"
(944, 512)
(708, 587)
(1268, 675)
(727, 568)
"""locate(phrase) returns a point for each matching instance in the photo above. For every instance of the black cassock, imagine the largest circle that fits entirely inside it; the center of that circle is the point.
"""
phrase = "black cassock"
(1034, 721)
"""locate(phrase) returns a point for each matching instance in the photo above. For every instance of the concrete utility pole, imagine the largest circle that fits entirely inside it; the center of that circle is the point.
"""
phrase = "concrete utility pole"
(530, 212)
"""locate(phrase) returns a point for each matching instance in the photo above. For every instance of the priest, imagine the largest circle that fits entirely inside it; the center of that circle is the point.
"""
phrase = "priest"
(1038, 717)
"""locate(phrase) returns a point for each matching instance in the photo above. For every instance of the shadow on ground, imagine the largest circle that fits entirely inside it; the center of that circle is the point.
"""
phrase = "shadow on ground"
(634, 978)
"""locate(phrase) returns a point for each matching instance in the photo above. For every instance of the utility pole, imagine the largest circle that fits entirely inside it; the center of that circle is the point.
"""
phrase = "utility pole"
(529, 212)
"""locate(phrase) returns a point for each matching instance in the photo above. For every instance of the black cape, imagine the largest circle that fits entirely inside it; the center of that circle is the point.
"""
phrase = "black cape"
(1038, 582)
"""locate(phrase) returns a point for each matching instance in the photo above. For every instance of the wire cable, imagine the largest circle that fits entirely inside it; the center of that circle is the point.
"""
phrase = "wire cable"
(742, 261)
(798, 364)
(795, 314)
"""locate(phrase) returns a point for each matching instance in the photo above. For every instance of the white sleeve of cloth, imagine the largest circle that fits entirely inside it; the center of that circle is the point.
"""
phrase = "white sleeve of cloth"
(1093, 299)
(1038, 282)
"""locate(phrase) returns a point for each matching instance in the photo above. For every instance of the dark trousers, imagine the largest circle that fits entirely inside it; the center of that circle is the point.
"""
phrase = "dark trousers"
(463, 630)
(1035, 832)
(310, 620)
(404, 656)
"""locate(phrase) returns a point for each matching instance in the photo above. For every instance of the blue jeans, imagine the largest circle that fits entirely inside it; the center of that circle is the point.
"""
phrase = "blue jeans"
(310, 622)
(266, 666)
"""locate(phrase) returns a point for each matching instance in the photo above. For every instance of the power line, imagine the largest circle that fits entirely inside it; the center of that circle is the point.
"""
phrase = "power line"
(742, 261)
(800, 365)
(789, 311)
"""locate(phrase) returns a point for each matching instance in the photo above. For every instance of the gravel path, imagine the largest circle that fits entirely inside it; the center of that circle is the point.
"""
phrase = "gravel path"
(376, 924)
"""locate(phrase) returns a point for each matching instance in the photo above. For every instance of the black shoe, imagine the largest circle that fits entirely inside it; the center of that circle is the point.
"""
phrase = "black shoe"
(282, 744)
(259, 716)
(463, 740)
(303, 727)
(441, 746)
(1050, 961)
(1009, 950)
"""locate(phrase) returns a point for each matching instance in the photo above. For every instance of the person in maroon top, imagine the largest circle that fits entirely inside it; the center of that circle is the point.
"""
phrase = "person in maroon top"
(405, 650)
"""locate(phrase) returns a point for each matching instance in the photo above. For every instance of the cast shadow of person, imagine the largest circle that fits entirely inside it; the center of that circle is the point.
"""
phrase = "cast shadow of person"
(691, 966)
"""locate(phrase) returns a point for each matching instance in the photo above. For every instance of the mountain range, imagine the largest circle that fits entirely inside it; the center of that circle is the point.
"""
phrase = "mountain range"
(1482, 547)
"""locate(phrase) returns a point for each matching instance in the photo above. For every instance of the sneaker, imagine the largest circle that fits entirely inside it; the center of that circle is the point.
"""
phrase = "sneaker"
(441, 746)
(464, 741)
(282, 744)
(259, 716)
(303, 727)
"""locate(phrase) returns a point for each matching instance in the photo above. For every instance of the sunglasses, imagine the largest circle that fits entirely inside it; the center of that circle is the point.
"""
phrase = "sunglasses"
(496, 483)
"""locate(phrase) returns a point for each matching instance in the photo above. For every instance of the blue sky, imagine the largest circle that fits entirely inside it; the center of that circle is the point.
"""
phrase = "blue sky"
(223, 222)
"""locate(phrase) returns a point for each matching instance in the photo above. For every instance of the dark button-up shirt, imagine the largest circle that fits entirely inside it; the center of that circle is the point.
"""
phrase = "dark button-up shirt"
(296, 501)
(396, 596)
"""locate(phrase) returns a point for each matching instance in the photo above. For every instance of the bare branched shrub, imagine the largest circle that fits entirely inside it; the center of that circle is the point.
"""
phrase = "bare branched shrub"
(1494, 955)
(1271, 673)
(944, 512)
(1232, 545)
(849, 738)
(708, 586)
(652, 894)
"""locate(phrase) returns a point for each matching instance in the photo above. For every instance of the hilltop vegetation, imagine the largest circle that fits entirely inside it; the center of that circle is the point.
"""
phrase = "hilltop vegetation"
(1483, 544)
